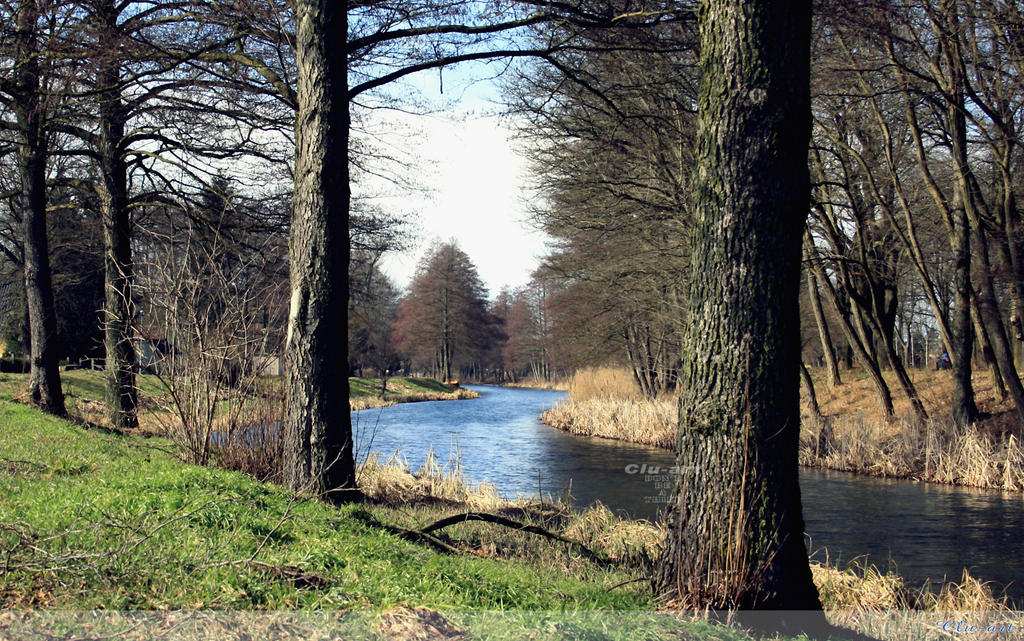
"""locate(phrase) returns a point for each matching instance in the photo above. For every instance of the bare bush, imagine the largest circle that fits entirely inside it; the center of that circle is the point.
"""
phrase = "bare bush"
(209, 335)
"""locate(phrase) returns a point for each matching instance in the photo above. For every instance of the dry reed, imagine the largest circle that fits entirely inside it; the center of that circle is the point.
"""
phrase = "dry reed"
(649, 422)
(854, 437)
(607, 402)
(881, 605)
(392, 482)
(603, 383)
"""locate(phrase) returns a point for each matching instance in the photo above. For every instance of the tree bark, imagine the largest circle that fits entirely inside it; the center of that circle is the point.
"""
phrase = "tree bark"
(44, 374)
(965, 411)
(735, 528)
(318, 448)
(121, 394)
(989, 356)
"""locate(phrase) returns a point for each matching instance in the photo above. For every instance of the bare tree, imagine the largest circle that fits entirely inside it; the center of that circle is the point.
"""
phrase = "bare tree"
(26, 95)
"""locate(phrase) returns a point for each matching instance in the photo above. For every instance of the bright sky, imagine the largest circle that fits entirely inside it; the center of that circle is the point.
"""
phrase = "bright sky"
(476, 187)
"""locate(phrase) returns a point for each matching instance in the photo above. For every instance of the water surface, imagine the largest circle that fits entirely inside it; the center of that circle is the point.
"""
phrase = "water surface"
(929, 531)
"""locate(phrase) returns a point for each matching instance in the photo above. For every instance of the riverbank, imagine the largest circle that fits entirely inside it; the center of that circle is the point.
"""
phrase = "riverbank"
(92, 520)
(556, 384)
(853, 437)
(365, 393)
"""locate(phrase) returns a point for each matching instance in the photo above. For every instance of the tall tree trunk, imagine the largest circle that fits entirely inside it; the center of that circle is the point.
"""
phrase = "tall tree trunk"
(735, 527)
(998, 386)
(318, 448)
(823, 334)
(965, 410)
(121, 394)
(988, 309)
(44, 377)
(812, 397)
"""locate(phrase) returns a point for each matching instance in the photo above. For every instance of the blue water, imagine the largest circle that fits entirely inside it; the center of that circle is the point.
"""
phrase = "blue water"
(929, 531)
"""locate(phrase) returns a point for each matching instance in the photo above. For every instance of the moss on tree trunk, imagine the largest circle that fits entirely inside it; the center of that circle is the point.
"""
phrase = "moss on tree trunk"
(735, 523)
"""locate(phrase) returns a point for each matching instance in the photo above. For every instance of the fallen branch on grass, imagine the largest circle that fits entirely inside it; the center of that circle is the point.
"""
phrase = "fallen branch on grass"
(425, 534)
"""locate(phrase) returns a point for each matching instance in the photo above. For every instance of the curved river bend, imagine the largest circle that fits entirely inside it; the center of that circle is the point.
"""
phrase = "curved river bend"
(928, 531)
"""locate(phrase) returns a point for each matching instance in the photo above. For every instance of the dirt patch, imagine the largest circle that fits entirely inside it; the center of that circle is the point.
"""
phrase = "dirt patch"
(416, 624)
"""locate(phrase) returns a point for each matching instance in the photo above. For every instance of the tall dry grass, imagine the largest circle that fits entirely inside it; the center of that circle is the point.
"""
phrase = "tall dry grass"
(392, 482)
(603, 383)
(881, 605)
(530, 382)
(939, 452)
(854, 437)
(607, 402)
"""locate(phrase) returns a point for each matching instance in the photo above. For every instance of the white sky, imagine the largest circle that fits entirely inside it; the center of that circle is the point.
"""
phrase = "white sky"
(476, 186)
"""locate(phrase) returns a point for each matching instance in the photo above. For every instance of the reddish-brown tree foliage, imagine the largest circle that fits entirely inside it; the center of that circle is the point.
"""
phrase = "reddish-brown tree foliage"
(443, 326)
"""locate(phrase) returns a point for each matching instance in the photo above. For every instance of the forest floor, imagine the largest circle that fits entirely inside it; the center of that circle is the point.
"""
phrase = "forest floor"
(854, 436)
(92, 519)
(364, 393)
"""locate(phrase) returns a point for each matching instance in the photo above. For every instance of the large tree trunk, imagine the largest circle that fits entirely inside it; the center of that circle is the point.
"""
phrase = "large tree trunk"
(44, 378)
(735, 527)
(318, 448)
(121, 394)
(964, 409)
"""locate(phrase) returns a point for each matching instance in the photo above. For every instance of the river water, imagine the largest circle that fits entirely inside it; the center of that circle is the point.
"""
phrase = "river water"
(927, 531)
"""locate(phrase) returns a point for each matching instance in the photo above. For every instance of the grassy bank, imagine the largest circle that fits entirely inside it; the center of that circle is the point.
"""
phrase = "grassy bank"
(92, 520)
(83, 390)
(365, 393)
(854, 435)
(95, 520)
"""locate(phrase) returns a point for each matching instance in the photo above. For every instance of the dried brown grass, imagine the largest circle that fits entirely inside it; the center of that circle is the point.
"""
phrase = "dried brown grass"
(649, 422)
(607, 402)
(394, 483)
(856, 437)
(603, 383)
(881, 605)
(530, 382)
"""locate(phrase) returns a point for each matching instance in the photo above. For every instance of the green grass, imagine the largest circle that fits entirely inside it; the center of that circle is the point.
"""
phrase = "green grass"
(80, 384)
(397, 386)
(167, 534)
(91, 520)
